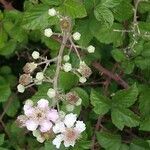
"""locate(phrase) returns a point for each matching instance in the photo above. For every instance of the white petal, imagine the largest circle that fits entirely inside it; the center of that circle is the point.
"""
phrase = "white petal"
(57, 141)
(80, 126)
(45, 126)
(52, 115)
(59, 127)
(70, 119)
(43, 103)
(69, 143)
(28, 110)
(40, 139)
(36, 133)
(31, 125)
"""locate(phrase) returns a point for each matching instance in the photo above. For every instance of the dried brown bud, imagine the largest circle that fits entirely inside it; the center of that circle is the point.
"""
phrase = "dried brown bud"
(65, 24)
(21, 120)
(84, 70)
(25, 79)
(29, 67)
(72, 97)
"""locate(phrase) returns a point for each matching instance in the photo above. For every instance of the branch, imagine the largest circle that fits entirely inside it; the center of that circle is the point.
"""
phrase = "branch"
(106, 72)
(7, 5)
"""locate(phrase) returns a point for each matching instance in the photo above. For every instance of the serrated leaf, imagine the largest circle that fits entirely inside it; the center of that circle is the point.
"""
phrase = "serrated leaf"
(124, 117)
(118, 55)
(110, 3)
(125, 98)
(109, 141)
(73, 8)
(145, 124)
(139, 145)
(36, 17)
(51, 2)
(104, 15)
(128, 66)
(144, 100)
(101, 103)
(67, 80)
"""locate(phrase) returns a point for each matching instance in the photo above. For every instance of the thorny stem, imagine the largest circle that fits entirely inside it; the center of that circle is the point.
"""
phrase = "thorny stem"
(58, 65)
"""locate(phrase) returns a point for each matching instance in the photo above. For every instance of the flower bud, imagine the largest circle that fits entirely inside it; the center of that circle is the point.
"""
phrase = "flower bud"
(25, 79)
(39, 76)
(91, 49)
(48, 32)
(20, 88)
(79, 102)
(72, 97)
(52, 12)
(66, 58)
(51, 93)
(35, 55)
(65, 24)
(70, 107)
(67, 67)
(82, 79)
(76, 36)
(29, 67)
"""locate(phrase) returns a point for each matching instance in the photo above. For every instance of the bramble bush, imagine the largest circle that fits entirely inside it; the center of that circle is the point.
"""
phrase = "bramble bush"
(74, 74)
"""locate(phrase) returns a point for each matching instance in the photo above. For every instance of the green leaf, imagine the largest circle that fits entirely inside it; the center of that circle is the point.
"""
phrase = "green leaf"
(124, 117)
(36, 17)
(13, 109)
(106, 35)
(125, 98)
(3, 37)
(4, 90)
(104, 15)
(144, 101)
(145, 124)
(118, 55)
(124, 147)
(110, 3)
(101, 103)
(123, 11)
(73, 8)
(41, 93)
(67, 80)
(51, 2)
(139, 145)
(144, 7)
(128, 66)
(83, 95)
(109, 141)
(2, 139)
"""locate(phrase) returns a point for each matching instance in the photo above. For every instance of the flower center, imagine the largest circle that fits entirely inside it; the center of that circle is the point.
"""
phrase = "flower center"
(71, 135)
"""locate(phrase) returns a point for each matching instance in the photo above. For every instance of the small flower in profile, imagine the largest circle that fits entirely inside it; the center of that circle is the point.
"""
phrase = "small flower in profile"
(20, 88)
(48, 32)
(38, 117)
(67, 67)
(76, 36)
(66, 58)
(35, 55)
(91, 49)
(25, 79)
(52, 12)
(68, 130)
(29, 67)
(51, 93)
(82, 79)
(84, 69)
(39, 76)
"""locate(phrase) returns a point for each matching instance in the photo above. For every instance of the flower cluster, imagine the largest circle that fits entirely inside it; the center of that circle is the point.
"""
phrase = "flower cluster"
(44, 122)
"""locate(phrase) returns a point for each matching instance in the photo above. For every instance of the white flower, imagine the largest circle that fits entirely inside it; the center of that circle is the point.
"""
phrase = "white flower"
(39, 76)
(82, 79)
(76, 36)
(39, 116)
(51, 93)
(52, 12)
(69, 107)
(66, 58)
(35, 55)
(67, 67)
(91, 49)
(78, 103)
(48, 32)
(20, 88)
(68, 131)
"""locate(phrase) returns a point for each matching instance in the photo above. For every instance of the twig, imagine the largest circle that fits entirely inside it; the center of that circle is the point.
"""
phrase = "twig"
(7, 5)
(106, 72)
